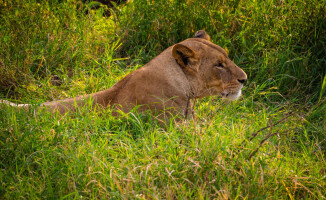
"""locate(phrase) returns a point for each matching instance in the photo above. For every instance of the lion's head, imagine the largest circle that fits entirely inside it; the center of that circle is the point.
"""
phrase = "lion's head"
(209, 68)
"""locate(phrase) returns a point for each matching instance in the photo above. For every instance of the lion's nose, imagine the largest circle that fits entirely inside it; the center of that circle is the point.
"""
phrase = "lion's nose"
(242, 80)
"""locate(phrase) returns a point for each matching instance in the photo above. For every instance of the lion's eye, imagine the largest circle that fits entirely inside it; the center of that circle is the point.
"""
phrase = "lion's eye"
(220, 65)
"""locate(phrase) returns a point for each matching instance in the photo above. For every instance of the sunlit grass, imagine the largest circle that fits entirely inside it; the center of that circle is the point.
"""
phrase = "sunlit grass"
(94, 155)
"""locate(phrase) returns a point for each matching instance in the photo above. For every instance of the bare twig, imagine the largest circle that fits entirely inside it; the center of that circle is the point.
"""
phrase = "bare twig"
(188, 102)
(265, 139)
(253, 135)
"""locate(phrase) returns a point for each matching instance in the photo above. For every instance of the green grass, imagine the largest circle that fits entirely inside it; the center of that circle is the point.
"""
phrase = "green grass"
(268, 145)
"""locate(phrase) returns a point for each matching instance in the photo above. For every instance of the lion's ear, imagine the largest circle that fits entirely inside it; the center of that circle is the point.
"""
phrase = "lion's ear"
(185, 57)
(202, 34)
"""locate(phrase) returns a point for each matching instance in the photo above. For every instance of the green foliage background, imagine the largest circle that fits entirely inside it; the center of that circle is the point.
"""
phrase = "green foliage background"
(57, 49)
(290, 35)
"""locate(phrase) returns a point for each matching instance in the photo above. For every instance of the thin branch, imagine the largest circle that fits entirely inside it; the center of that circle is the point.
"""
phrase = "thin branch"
(253, 135)
(265, 139)
(188, 102)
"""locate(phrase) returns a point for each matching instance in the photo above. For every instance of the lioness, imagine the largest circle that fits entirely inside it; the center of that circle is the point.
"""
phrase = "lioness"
(193, 68)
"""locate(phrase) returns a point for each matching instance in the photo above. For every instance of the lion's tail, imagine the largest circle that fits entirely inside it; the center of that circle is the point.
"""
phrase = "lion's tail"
(25, 106)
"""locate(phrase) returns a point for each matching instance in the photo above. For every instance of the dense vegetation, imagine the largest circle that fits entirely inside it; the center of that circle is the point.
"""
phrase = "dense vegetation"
(270, 144)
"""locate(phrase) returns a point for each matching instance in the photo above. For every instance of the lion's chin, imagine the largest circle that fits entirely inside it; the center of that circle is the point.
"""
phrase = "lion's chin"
(231, 95)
